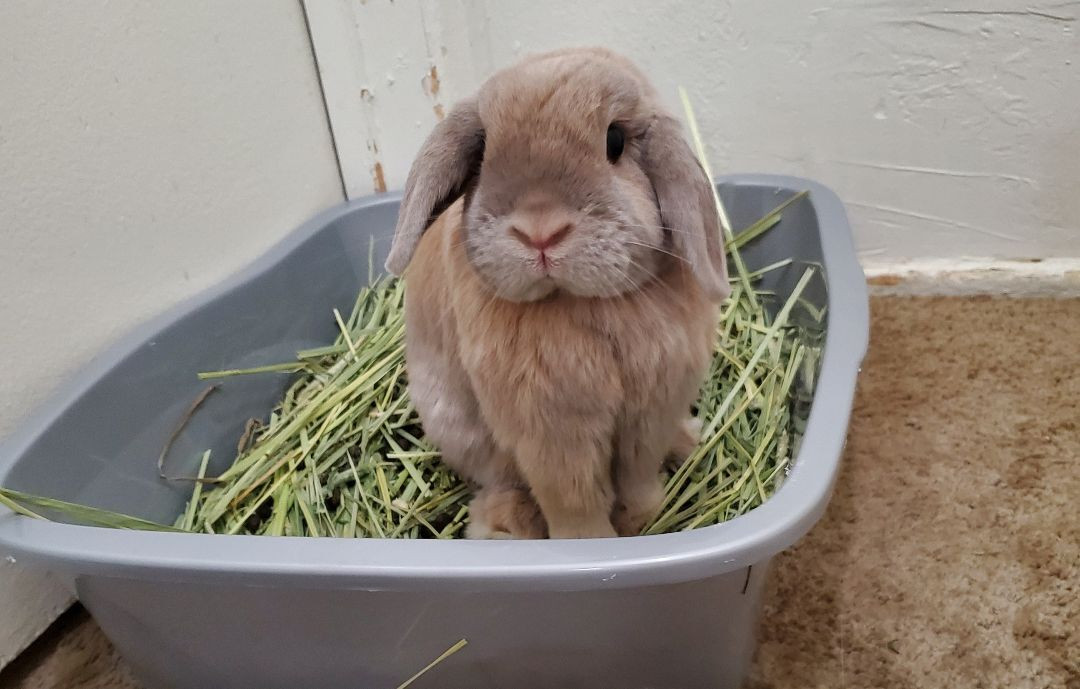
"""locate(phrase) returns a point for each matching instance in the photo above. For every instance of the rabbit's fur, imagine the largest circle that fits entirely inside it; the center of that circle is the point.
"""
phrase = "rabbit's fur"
(557, 377)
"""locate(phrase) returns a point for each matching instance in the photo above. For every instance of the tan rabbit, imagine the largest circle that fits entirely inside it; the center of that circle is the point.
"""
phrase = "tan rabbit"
(566, 264)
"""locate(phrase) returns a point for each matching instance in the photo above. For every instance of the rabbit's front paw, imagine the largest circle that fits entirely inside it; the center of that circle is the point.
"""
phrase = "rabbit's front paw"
(504, 513)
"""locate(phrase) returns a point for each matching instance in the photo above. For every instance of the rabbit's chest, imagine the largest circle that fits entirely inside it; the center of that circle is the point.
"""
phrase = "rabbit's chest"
(541, 365)
(536, 357)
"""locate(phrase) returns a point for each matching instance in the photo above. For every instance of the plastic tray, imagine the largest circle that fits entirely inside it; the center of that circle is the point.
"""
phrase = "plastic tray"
(194, 611)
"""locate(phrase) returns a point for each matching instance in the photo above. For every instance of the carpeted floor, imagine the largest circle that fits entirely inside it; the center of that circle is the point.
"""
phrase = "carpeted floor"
(950, 554)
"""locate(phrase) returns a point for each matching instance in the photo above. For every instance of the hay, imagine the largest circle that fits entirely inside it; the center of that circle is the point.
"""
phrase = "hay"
(344, 455)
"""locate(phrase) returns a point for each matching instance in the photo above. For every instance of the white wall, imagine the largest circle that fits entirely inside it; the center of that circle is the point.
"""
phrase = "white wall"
(147, 150)
(948, 132)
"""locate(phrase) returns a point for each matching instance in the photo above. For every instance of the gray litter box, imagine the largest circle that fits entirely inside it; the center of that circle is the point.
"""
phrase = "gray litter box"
(195, 611)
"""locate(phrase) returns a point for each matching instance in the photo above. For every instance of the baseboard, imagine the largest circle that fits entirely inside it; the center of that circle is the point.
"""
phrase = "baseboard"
(1050, 277)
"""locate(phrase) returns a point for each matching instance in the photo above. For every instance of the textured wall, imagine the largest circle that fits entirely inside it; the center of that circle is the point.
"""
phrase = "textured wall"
(948, 132)
(146, 151)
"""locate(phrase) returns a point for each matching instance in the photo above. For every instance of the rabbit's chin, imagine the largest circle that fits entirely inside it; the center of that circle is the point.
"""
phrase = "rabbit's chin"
(549, 287)
(539, 290)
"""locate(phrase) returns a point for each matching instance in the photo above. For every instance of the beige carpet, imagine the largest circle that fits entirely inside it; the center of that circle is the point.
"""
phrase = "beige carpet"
(950, 555)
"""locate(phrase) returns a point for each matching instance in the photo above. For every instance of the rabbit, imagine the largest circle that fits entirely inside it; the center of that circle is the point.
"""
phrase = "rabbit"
(564, 271)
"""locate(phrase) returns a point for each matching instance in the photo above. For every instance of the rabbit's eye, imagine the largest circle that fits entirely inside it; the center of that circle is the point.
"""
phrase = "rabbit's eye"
(616, 140)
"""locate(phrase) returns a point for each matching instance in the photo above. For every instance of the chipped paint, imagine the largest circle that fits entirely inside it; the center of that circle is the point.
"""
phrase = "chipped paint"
(378, 177)
(431, 82)
(431, 85)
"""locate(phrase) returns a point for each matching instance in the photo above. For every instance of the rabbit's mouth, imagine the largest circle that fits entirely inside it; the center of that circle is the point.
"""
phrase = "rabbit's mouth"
(529, 278)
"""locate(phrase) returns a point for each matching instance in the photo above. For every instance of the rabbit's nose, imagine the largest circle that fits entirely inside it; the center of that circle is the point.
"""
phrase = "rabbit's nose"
(541, 237)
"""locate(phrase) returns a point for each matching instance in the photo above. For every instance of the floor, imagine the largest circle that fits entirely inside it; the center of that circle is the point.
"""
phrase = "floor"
(950, 554)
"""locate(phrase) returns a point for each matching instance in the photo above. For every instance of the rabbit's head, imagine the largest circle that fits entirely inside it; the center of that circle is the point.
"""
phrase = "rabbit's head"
(575, 180)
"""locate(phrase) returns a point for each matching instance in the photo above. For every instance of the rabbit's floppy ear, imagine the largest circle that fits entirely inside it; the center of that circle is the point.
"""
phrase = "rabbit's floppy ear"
(686, 204)
(449, 158)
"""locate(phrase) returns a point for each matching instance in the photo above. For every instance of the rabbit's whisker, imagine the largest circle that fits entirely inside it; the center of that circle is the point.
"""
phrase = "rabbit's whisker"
(655, 227)
(656, 248)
